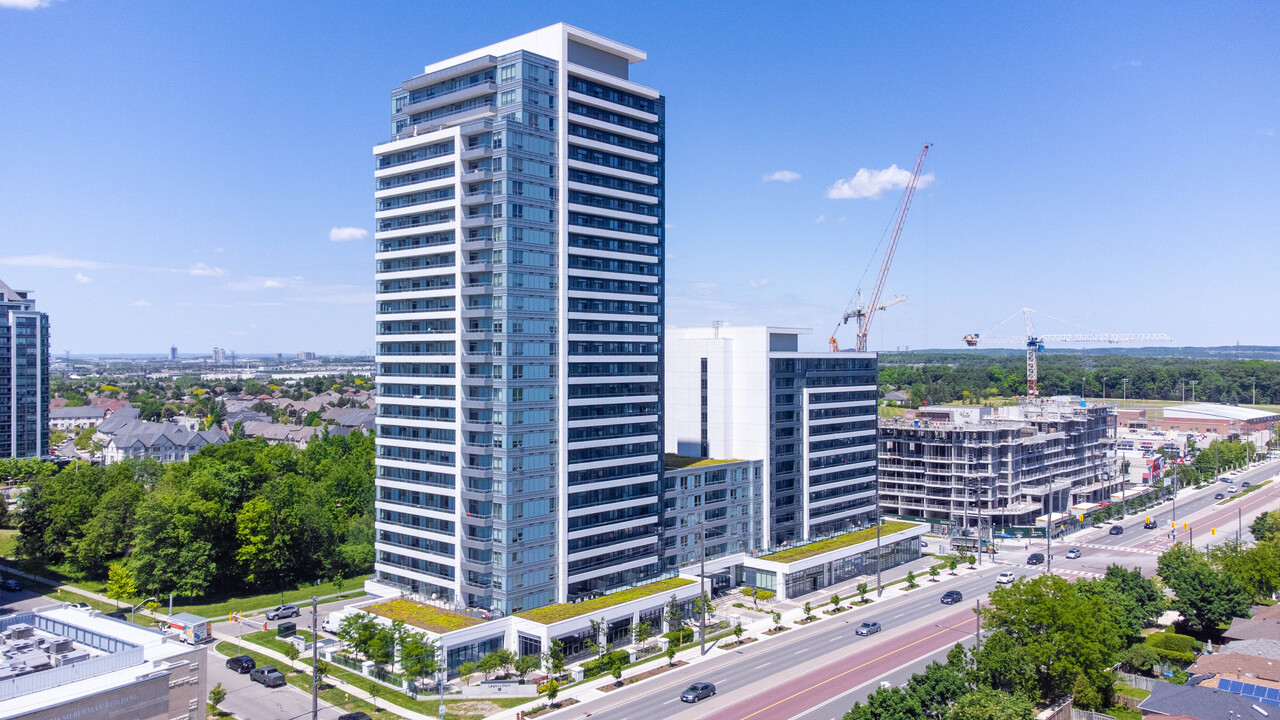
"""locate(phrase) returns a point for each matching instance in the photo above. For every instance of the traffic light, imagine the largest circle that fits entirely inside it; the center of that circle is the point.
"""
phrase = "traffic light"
(1148, 518)
(1213, 531)
(1184, 526)
(1081, 517)
(1173, 525)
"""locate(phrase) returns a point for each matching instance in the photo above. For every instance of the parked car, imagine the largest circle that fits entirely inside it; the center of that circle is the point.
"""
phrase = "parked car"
(698, 691)
(1116, 530)
(951, 597)
(1219, 496)
(1006, 578)
(268, 676)
(11, 585)
(1073, 553)
(119, 615)
(241, 664)
(867, 628)
(1035, 559)
(1149, 525)
(283, 611)
(79, 606)
(354, 716)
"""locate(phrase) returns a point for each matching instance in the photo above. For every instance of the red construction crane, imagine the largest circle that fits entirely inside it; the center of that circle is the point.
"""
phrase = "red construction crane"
(866, 313)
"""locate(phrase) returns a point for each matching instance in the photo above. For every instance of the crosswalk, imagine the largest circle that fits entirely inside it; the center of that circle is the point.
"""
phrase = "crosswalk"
(1095, 546)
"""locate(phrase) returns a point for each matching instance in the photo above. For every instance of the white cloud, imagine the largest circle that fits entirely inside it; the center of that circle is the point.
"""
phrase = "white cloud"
(25, 4)
(1268, 132)
(141, 303)
(872, 183)
(820, 219)
(782, 176)
(83, 279)
(757, 284)
(344, 234)
(50, 261)
(273, 284)
(202, 270)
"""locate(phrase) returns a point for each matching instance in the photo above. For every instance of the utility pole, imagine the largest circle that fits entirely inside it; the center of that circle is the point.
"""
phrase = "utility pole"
(1193, 384)
(977, 625)
(879, 587)
(1239, 525)
(1104, 389)
(1126, 391)
(1048, 534)
(1254, 380)
(315, 660)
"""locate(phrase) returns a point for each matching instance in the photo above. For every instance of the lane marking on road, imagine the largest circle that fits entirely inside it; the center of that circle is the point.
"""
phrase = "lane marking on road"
(669, 701)
(765, 665)
(852, 669)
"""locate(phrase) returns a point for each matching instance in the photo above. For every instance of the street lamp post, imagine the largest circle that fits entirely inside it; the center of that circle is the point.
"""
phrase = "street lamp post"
(1193, 384)
(1126, 391)
(702, 583)
(134, 609)
(315, 660)
(1254, 380)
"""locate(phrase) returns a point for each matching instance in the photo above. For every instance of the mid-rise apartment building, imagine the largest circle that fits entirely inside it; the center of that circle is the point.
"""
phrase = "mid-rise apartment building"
(1001, 467)
(749, 393)
(519, 263)
(24, 375)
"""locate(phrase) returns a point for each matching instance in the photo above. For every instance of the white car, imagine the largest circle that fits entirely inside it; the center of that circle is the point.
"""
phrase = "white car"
(1006, 578)
(1231, 489)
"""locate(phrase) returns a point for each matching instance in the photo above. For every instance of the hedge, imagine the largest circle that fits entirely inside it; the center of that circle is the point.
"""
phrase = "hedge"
(682, 636)
(1172, 641)
(592, 668)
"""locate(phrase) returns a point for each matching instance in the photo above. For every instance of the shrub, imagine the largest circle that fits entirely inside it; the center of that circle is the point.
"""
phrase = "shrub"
(602, 664)
(683, 636)
(740, 605)
(1172, 641)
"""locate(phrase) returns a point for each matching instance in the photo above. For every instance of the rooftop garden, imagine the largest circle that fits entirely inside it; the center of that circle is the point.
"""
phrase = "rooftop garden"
(680, 462)
(548, 614)
(427, 617)
(800, 552)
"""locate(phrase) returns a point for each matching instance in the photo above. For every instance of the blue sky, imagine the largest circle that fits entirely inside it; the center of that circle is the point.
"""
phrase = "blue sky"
(170, 172)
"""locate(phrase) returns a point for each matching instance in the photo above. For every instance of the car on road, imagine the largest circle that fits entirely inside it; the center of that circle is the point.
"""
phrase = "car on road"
(1035, 559)
(268, 676)
(241, 664)
(869, 627)
(1149, 525)
(1116, 530)
(1219, 496)
(1231, 489)
(1073, 553)
(1006, 578)
(283, 611)
(1224, 479)
(1246, 484)
(354, 716)
(698, 691)
(11, 585)
(951, 597)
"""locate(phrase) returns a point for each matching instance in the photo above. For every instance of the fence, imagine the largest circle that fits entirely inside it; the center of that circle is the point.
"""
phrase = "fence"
(1139, 681)
(1077, 714)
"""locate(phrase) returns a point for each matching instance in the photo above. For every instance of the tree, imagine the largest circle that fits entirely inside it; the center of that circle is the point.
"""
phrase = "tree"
(321, 669)
(641, 633)
(466, 670)
(835, 601)
(933, 573)
(217, 695)
(338, 581)
(291, 651)
(1256, 568)
(862, 593)
(555, 657)
(1206, 596)
(358, 630)
(777, 619)
(671, 653)
(936, 688)
(84, 438)
(418, 658)
(616, 664)
(598, 642)
(1266, 526)
(1003, 666)
(952, 563)
(987, 704)
(911, 579)
(488, 664)
(887, 704)
(120, 583)
(553, 690)
(808, 611)
(1063, 633)
(675, 618)
(504, 657)
(526, 664)
(237, 431)
(737, 632)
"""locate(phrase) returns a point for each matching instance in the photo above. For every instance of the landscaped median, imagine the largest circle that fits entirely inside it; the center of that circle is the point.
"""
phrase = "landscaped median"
(1244, 492)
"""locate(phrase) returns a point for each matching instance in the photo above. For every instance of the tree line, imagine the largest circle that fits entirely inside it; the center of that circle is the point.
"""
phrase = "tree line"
(236, 517)
(947, 377)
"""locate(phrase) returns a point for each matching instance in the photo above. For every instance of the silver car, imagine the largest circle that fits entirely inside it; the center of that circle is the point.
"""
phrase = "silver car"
(868, 628)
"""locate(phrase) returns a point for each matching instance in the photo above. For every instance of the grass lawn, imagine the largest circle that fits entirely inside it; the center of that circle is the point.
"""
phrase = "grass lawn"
(1132, 691)
(268, 639)
(1120, 712)
(837, 542)
(8, 542)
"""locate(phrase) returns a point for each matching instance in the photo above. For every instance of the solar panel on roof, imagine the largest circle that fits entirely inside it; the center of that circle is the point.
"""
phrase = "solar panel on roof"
(1223, 683)
(1248, 689)
(1273, 693)
(1235, 686)
(1273, 702)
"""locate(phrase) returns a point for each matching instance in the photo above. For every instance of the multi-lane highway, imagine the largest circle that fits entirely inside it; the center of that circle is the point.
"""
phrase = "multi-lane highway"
(816, 672)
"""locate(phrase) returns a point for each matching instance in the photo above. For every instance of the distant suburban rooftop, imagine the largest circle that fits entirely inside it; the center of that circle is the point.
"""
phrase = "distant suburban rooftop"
(548, 614)
(1215, 411)
(800, 552)
(427, 617)
(1197, 702)
(75, 413)
(680, 462)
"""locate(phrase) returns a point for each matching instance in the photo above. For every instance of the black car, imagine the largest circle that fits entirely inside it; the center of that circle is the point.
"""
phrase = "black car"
(119, 615)
(268, 676)
(1035, 559)
(11, 585)
(283, 611)
(1219, 496)
(1116, 530)
(951, 597)
(697, 691)
(241, 664)
(1149, 525)
(354, 716)
(1246, 484)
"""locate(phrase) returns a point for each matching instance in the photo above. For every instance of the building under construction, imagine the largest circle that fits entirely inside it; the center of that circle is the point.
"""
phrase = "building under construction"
(1001, 467)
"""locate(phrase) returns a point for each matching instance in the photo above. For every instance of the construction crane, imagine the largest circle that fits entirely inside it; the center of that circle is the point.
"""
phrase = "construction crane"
(864, 314)
(1035, 344)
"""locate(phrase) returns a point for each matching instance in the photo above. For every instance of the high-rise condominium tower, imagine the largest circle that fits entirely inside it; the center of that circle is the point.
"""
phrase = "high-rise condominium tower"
(24, 376)
(519, 213)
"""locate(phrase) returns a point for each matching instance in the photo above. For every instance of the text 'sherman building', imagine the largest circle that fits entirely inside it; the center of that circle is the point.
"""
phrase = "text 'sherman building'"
(24, 375)
(519, 211)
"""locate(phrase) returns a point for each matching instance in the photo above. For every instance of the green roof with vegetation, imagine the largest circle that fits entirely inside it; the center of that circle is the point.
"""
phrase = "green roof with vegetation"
(548, 614)
(680, 462)
(427, 617)
(801, 552)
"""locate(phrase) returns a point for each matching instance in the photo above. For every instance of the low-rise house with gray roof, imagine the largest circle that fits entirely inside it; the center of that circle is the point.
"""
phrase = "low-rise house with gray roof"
(274, 434)
(75, 418)
(124, 437)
